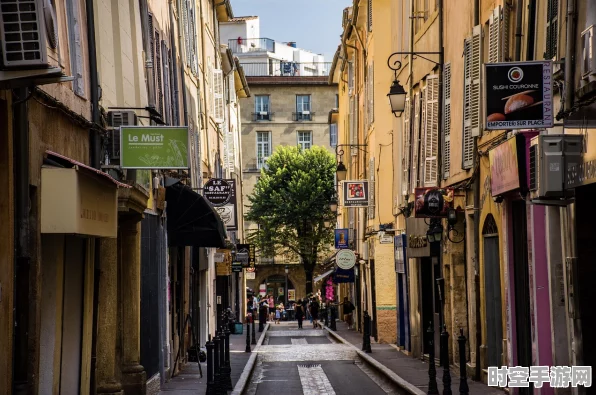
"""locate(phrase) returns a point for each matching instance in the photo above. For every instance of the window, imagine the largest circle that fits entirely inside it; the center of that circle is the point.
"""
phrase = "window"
(305, 140)
(336, 100)
(431, 131)
(218, 96)
(333, 135)
(446, 120)
(370, 16)
(190, 32)
(303, 108)
(552, 29)
(74, 45)
(472, 67)
(262, 108)
(263, 148)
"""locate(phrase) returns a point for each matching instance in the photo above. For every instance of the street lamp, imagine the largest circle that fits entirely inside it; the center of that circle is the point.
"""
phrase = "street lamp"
(333, 206)
(435, 231)
(397, 98)
(287, 269)
(342, 171)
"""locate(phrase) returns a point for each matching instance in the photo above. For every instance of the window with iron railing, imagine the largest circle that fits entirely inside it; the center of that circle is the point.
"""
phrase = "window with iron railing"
(263, 148)
(262, 108)
(303, 108)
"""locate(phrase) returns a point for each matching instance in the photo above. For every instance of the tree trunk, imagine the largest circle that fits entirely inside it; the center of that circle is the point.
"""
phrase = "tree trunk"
(309, 283)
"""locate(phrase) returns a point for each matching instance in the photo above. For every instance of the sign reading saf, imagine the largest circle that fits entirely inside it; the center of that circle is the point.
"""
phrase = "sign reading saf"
(153, 147)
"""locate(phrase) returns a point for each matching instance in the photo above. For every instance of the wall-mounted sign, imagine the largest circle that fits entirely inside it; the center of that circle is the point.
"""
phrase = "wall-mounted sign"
(236, 267)
(385, 239)
(342, 276)
(217, 191)
(519, 95)
(250, 275)
(291, 294)
(345, 259)
(399, 253)
(355, 193)
(506, 170)
(417, 245)
(154, 147)
(218, 257)
(341, 239)
(433, 202)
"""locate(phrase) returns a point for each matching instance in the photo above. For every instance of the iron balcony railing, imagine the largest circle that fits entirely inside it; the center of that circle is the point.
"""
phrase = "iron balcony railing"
(280, 68)
(262, 116)
(303, 116)
(245, 45)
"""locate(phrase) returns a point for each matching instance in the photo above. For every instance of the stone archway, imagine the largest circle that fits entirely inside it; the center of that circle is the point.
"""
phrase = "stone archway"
(295, 275)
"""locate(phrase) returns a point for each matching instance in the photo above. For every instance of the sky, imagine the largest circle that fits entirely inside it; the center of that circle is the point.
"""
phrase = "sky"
(314, 25)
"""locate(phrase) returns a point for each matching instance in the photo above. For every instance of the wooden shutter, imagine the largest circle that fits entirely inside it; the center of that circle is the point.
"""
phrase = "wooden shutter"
(431, 135)
(472, 67)
(476, 74)
(446, 155)
(552, 28)
(505, 23)
(371, 188)
(186, 28)
(218, 96)
(415, 143)
(166, 83)
(370, 16)
(494, 36)
(158, 75)
(407, 133)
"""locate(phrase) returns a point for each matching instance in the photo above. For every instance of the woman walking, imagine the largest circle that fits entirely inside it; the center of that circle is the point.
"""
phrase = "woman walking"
(271, 308)
(299, 313)
(314, 312)
(348, 310)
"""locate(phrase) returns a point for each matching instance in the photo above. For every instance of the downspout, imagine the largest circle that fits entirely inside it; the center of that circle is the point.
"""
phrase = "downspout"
(175, 67)
(410, 88)
(182, 79)
(205, 106)
(476, 187)
(570, 56)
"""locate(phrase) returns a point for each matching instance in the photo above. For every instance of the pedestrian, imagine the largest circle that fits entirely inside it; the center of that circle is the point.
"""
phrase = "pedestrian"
(348, 310)
(299, 313)
(271, 307)
(265, 305)
(314, 312)
(277, 315)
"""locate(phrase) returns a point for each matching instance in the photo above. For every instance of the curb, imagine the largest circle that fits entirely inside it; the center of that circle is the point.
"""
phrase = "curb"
(248, 368)
(389, 374)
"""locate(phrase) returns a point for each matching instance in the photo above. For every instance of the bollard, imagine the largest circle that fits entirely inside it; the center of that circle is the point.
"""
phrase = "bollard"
(247, 349)
(432, 371)
(261, 319)
(216, 364)
(366, 334)
(326, 313)
(445, 361)
(463, 380)
(227, 366)
(254, 336)
(333, 318)
(210, 384)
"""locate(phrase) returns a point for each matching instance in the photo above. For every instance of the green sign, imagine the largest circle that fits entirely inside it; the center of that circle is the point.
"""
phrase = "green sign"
(153, 147)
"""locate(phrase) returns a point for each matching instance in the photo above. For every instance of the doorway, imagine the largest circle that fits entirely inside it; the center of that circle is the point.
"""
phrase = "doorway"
(276, 286)
(492, 292)
(430, 304)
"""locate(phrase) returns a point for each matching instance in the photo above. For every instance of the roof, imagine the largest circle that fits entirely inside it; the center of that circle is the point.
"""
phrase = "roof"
(243, 18)
(64, 160)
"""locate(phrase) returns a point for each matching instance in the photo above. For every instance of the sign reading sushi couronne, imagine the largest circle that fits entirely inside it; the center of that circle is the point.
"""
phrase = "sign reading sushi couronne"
(153, 147)
(433, 202)
(519, 95)
(345, 259)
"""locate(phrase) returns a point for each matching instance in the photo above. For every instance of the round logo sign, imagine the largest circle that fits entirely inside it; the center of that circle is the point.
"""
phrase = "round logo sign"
(217, 191)
(515, 74)
(345, 259)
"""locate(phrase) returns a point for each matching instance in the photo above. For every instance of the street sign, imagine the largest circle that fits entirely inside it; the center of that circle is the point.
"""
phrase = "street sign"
(153, 147)
(345, 259)
(217, 191)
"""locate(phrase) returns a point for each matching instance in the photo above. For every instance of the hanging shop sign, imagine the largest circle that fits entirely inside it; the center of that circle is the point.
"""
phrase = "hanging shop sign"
(345, 259)
(154, 147)
(417, 245)
(217, 191)
(245, 253)
(399, 252)
(433, 202)
(228, 209)
(250, 275)
(342, 276)
(519, 95)
(341, 239)
(507, 166)
(355, 193)
(236, 267)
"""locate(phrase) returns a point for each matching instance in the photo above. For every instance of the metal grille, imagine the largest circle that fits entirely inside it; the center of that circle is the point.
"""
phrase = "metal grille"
(23, 36)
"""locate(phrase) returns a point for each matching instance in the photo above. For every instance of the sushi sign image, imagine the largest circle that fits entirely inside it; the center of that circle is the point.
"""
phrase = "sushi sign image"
(519, 95)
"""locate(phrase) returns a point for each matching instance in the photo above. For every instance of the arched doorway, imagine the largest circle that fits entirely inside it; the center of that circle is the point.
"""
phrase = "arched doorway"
(276, 286)
(492, 292)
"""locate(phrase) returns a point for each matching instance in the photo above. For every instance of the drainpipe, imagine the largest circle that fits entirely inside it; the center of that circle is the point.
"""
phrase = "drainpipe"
(205, 106)
(175, 67)
(476, 187)
(570, 55)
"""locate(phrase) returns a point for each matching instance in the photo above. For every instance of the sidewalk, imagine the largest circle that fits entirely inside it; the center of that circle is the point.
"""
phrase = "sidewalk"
(410, 369)
(189, 380)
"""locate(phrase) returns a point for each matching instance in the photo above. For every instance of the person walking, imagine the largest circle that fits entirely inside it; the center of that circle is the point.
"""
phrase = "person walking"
(299, 313)
(314, 312)
(348, 310)
(271, 307)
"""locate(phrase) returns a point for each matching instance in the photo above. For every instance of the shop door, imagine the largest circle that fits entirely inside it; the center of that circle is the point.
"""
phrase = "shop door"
(430, 305)
(492, 287)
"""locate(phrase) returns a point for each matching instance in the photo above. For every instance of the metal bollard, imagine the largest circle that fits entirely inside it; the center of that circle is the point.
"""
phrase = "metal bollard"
(261, 319)
(210, 383)
(227, 366)
(326, 313)
(333, 318)
(432, 371)
(366, 334)
(445, 361)
(463, 380)
(254, 337)
(247, 349)
(216, 365)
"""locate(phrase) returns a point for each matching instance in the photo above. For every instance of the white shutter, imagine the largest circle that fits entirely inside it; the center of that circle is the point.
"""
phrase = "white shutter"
(371, 188)
(415, 143)
(421, 141)
(446, 120)
(226, 143)
(218, 96)
(476, 75)
(431, 135)
(406, 148)
(370, 15)
(231, 149)
(494, 36)
(232, 87)
(371, 95)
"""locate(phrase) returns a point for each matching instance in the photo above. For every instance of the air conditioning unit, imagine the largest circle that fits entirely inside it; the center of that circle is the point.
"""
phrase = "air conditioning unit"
(26, 28)
(588, 61)
(115, 120)
(550, 156)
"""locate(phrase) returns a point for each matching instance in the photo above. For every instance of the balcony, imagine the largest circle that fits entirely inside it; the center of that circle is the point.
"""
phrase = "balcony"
(262, 116)
(303, 116)
(278, 68)
(249, 45)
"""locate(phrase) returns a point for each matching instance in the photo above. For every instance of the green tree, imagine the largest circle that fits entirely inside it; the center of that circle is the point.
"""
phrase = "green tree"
(290, 203)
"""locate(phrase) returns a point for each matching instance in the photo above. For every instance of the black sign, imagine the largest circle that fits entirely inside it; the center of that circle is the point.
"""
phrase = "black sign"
(217, 191)
(519, 95)
(245, 253)
(236, 267)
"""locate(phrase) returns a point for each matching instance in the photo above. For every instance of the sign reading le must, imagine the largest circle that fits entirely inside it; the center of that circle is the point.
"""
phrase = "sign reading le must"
(217, 191)
(345, 259)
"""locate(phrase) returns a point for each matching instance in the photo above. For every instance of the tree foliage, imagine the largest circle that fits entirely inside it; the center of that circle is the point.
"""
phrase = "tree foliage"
(290, 203)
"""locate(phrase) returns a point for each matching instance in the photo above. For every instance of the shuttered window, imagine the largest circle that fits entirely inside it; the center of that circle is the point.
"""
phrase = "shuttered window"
(350, 77)
(415, 142)
(74, 46)
(218, 96)
(406, 148)
(166, 84)
(505, 23)
(471, 116)
(157, 72)
(370, 90)
(371, 188)
(494, 36)
(446, 155)
(431, 131)
(370, 16)
(552, 29)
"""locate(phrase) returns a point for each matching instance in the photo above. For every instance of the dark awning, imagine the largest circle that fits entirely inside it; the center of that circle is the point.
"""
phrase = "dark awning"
(192, 220)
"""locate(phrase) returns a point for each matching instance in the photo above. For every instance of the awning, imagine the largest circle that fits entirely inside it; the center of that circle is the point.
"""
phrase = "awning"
(192, 220)
(322, 276)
